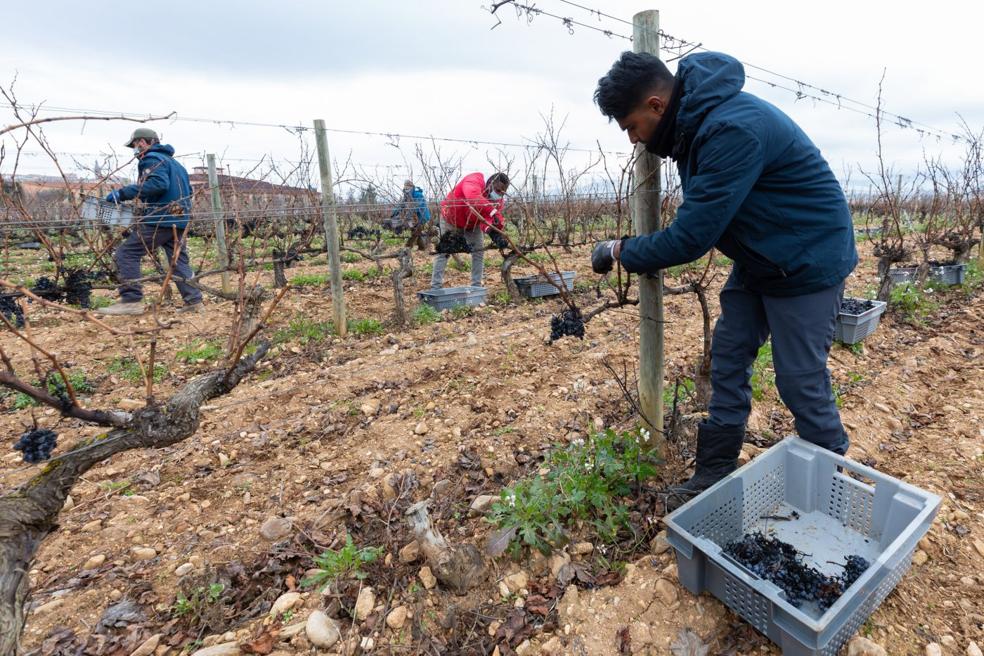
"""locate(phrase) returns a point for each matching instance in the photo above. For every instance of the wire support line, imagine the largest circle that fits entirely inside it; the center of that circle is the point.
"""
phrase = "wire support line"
(393, 137)
(677, 46)
(533, 11)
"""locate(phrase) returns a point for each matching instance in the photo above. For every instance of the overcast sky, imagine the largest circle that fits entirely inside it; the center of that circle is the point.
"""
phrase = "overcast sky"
(434, 67)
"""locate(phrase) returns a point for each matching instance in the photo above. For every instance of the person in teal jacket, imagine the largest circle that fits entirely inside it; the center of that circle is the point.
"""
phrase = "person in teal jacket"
(413, 203)
(165, 193)
(757, 189)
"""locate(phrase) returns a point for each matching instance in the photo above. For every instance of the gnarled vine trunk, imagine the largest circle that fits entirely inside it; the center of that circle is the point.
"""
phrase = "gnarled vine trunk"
(30, 513)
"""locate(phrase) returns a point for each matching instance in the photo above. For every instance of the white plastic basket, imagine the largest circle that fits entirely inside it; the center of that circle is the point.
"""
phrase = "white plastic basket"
(113, 214)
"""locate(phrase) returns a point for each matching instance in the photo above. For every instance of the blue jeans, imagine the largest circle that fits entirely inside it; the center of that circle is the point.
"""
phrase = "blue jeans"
(802, 330)
(144, 239)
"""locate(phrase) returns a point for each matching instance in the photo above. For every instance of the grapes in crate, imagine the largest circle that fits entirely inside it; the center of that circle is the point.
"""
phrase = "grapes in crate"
(779, 562)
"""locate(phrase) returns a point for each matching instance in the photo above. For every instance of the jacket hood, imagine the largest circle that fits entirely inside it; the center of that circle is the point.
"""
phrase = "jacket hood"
(709, 78)
(164, 149)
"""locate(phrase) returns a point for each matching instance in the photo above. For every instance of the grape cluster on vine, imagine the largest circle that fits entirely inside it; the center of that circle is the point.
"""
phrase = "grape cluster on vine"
(453, 242)
(568, 323)
(37, 444)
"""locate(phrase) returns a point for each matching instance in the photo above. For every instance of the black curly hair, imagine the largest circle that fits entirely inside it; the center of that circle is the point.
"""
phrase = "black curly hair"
(632, 78)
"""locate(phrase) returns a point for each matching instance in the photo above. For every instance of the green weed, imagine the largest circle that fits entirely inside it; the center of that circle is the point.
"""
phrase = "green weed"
(912, 302)
(198, 600)
(425, 314)
(127, 368)
(763, 375)
(304, 330)
(343, 563)
(585, 482)
(199, 350)
(685, 389)
(56, 387)
(365, 327)
(309, 280)
(462, 311)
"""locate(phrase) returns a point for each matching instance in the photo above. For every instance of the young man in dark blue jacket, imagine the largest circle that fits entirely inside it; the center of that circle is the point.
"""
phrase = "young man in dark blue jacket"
(757, 189)
(163, 186)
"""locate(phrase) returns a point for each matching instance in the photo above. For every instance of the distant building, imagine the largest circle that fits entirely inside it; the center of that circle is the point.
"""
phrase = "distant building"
(247, 195)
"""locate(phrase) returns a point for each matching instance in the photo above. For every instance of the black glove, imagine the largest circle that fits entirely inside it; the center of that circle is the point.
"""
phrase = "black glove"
(603, 257)
(498, 239)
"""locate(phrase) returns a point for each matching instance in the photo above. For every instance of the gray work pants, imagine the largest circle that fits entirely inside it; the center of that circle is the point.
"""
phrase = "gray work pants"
(802, 330)
(144, 239)
(476, 240)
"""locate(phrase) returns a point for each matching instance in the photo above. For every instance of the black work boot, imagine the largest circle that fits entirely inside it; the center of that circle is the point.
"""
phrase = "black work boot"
(717, 456)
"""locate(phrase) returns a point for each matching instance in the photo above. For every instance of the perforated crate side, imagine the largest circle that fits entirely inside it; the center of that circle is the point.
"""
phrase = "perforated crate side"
(951, 274)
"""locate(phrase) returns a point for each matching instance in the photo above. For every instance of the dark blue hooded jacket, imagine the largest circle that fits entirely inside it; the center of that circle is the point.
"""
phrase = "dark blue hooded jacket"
(163, 186)
(754, 186)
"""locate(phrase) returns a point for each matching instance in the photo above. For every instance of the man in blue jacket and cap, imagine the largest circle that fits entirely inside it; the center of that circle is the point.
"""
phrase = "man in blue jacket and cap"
(163, 186)
(757, 189)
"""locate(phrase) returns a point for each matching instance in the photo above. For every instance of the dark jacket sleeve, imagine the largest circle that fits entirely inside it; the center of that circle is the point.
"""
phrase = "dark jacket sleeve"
(730, 160)
(153, 180)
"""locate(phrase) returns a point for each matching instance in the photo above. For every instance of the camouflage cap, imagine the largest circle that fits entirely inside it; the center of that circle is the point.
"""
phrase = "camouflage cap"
(141, 133)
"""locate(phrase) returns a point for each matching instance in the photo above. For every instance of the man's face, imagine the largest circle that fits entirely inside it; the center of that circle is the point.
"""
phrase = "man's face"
(640, 124)
(139, 146)
(499, 187)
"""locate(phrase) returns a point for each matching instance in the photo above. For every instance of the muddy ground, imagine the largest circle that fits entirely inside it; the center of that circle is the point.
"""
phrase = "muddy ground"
(337, 436)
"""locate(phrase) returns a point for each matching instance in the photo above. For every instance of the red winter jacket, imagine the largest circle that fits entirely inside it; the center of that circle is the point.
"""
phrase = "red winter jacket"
(467, 194)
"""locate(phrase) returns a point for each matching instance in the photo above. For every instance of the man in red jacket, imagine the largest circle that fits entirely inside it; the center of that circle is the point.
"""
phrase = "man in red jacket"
(472, 208)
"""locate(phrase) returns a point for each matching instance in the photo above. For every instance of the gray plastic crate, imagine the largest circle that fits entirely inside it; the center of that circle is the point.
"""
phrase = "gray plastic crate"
(537, 286)
(114, 214)
(449, 297)
(902, 274)
(852, 328)
(948, 274)
(838, 516)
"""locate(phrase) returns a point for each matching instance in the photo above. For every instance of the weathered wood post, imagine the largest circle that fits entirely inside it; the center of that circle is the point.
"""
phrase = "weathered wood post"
(646, 215)
(329, 216)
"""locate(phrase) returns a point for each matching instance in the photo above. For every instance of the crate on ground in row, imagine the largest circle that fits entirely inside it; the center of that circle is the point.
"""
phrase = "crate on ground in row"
(828, 508)
(537, 286)
(858, 318)
(945, 274)
(451, 297)
(113, 214)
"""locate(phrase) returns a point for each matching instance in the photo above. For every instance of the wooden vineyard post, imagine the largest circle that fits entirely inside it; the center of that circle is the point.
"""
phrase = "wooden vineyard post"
(646, 216)
(219, 218)
(329, 217)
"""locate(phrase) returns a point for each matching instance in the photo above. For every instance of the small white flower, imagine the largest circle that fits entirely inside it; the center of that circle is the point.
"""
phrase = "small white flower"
(512, 500)
(645, 434)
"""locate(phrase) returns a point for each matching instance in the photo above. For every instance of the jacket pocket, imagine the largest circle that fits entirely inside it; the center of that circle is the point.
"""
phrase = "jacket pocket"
(757, 265)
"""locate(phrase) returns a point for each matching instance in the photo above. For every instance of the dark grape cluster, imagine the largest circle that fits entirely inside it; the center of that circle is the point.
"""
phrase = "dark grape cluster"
(567, 323)
(498, 239)
(453, 242)
(360, 232)
(37, 444)
(11, 309)
(47, 289)
(78, 287)
(779, 562)
(855, 306)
